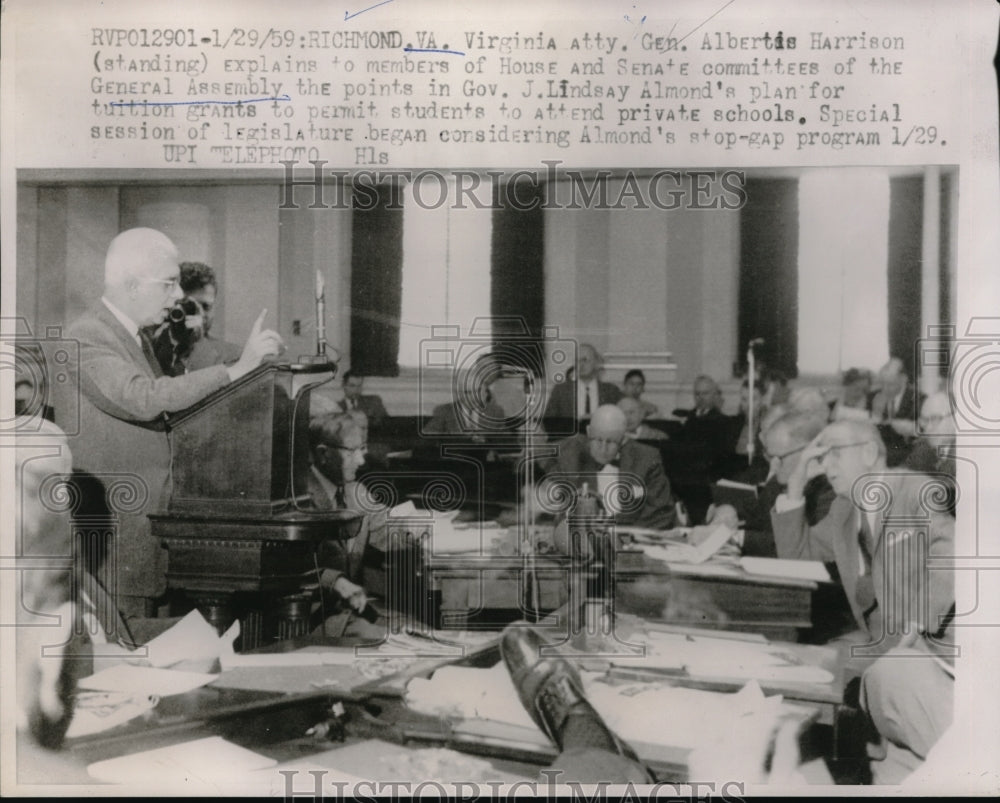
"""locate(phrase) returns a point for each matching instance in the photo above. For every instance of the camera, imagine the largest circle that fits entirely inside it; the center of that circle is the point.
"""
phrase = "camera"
(495, 348)
(178, 316)
(44, 369)
(971, 365)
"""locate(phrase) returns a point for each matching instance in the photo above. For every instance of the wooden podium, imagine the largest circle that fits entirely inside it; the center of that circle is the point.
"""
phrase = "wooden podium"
(240, 530)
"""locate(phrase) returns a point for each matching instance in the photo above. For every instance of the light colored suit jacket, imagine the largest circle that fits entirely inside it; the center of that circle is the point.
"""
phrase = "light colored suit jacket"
(122, 439)
(909, 527)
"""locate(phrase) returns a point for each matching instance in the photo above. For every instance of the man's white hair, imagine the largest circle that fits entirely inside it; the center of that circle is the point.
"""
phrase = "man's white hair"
(134, 252)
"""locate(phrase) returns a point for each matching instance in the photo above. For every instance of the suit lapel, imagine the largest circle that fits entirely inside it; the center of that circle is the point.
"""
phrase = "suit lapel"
(126, 340)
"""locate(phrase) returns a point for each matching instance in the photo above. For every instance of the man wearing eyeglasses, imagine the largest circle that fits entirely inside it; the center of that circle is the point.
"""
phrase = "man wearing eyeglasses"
(338, 450)
(785, 439)
(885, 528)
(627, 476)
(123, 395)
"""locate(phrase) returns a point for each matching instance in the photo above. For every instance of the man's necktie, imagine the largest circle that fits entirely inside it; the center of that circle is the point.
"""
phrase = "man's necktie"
(865, 590)
(339, 498)
(586, 400)
(147, 350)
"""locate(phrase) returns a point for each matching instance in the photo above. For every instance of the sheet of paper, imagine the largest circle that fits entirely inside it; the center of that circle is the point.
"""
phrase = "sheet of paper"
(98, 711)
(191, 639)
(145, 680)
(792, 569)
(713, 657)
(341, 657)
(212, 762)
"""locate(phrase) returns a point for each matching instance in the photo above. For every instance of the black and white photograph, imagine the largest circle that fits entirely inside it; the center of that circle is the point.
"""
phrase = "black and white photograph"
(589, 401)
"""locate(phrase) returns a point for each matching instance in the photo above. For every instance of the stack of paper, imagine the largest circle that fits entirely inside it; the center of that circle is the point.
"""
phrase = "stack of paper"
(791, 569)
(686, 553)
(714, 657)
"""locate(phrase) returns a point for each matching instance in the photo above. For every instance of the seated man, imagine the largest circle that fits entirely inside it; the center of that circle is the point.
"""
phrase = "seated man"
(933, 451)
(474, 412)
(68, 626)
(889, 586)
(338, 451)
(634, 415)
(896, 402)
(784, 441)
(854, 401)
(355, 399)
(909, 696)
(633, 386)
(627, 476)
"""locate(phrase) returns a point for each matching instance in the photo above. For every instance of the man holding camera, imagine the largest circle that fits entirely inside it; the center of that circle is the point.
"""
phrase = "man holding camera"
(123, 396)
(184, 341)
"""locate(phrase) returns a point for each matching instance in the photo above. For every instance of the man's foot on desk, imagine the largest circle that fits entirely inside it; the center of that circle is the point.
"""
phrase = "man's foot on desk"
(551, 691)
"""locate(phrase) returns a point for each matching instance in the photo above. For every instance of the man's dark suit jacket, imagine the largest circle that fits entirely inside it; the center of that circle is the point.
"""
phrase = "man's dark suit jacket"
(639, 465)
(908, 405)
(901, 584)
(446, 420)
(562, 399)
(120, 437)
(371, 406)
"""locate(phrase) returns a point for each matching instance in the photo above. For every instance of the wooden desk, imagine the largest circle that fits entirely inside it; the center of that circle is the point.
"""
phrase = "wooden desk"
(468, 584)
(714, 595)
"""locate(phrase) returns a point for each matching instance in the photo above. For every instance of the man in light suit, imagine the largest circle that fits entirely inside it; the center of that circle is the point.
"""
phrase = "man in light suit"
(902, 604)
(338, 451)
(369, 404)
(608, 462)
(579, 397)
(123, 397)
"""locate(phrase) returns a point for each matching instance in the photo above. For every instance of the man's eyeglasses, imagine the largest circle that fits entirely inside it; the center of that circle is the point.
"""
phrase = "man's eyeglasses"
(834, 448)
(361, 450)
(768, 456)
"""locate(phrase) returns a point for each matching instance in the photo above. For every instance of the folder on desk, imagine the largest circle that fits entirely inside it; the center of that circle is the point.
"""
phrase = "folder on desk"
(789, 569)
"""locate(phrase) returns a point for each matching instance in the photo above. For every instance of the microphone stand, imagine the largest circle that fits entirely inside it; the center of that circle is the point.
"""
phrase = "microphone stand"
(751, 438)
(528, 538)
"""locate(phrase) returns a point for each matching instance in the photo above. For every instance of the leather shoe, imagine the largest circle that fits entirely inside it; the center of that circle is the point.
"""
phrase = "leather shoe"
(551, 691)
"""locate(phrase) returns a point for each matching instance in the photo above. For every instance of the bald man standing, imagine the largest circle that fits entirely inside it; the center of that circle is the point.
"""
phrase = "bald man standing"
(123, 397)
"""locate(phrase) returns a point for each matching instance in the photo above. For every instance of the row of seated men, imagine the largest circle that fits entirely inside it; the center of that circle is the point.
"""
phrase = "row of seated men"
(124, 392)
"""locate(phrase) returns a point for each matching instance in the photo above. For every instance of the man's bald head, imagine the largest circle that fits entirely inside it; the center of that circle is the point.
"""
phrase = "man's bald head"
(811, 401)
(606, 432)
(142, 275)
(136, 253)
